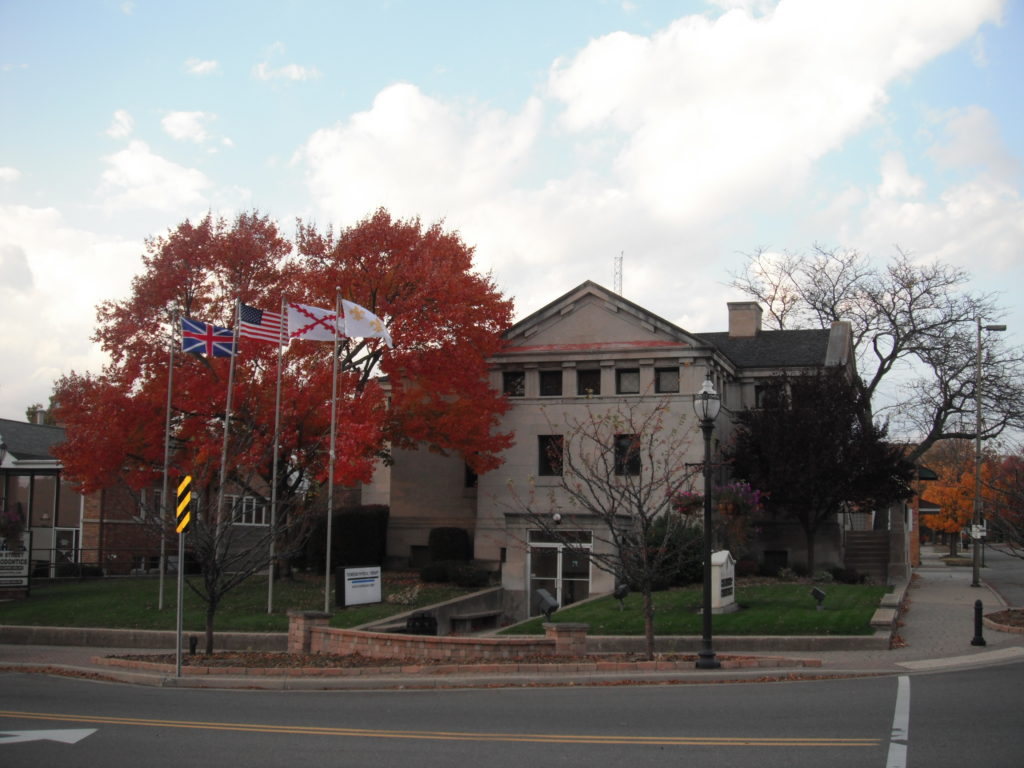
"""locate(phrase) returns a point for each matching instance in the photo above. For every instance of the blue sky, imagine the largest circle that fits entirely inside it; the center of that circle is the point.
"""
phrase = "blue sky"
(551, 135)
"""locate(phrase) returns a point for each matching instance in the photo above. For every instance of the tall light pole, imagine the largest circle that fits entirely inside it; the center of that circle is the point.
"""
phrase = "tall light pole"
(978, 512)
(706, 405)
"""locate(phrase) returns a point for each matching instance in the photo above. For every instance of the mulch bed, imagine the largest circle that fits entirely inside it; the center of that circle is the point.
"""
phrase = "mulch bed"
(273, 660)
(1012, 617)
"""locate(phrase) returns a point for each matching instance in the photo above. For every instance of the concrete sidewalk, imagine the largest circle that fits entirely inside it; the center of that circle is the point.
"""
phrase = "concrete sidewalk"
(936, 630)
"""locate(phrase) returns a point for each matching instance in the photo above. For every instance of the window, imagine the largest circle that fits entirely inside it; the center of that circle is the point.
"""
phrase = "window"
(151, 503)
(627, 381)
(550, 383)
(627, 455)
(247, 510)
(549, 455)
(768, 396)
(666, 380)
(513, 383)
(588, 382)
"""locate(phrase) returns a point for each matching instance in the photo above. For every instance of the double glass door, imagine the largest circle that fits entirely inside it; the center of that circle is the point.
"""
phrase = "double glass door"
(560, 566)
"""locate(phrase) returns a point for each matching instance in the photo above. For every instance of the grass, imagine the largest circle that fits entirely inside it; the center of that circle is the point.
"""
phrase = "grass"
(131, 603)
(767, 609)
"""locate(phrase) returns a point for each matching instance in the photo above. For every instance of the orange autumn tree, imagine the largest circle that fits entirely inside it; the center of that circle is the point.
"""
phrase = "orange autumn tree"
(954, 490)
(444, 319)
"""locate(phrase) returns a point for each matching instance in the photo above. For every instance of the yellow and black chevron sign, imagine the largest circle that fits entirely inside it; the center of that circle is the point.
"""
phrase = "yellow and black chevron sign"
(184, 503)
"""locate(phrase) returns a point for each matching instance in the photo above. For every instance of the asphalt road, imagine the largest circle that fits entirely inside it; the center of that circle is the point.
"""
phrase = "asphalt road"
(1005, 574)
(955, 719)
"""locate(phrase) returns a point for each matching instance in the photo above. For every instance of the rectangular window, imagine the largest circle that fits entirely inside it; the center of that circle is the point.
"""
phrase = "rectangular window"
(549, 455)
(513, 383)
(588, 382)
(666, 380)
(550, 383)
(247, 510)
(150, 503)
(627, 455)
(627, 381)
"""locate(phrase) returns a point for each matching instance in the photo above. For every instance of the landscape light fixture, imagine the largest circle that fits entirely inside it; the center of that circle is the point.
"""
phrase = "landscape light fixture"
(546, 603)
(706, 404)
(819, 595)
(620, 594)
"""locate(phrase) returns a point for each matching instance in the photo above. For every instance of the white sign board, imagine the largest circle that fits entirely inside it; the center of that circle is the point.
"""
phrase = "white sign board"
(723, 582)
(362, 585)
(15, 561)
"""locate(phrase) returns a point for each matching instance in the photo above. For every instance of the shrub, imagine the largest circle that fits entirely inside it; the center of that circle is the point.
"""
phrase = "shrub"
(823, 577)
(847, 576)
(434, 573)
(468, 575)
(786, 574)
(449, 544)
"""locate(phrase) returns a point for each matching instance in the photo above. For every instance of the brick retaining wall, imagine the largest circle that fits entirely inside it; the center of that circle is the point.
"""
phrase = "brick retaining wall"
(308, 633)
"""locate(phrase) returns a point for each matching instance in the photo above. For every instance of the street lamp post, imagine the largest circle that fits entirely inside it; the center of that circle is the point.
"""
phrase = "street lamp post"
(706, 405)
(978, 512)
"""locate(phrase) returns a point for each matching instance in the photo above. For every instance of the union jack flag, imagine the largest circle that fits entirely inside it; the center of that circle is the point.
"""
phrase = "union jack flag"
(205, 339)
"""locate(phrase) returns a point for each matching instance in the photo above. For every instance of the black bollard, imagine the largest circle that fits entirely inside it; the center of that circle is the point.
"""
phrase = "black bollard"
(193, 641)
(978, 639)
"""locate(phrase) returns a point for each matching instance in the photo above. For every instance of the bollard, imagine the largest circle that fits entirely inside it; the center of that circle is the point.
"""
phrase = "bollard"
(193, 641)
(978, 639)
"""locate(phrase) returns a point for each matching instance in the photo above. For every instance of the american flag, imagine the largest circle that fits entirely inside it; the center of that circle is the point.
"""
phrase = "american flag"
(260, 324)
(204, 339)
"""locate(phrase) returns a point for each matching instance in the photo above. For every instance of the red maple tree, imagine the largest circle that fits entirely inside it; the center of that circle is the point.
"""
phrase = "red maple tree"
(431, 389)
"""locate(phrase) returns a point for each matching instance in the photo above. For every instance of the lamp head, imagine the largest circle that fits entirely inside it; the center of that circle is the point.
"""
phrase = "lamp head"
(707, 402)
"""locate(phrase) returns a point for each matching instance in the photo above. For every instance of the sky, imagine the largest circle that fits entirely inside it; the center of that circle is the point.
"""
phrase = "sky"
(553, 135)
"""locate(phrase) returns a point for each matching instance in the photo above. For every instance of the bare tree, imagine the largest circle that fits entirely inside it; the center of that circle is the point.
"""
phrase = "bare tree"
(1005, 501)
(619, 469)
(913, 322)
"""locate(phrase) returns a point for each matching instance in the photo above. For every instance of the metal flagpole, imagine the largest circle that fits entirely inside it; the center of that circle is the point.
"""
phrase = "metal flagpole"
(164, 506)
(227, 427)
(330, 452)
(273, 471)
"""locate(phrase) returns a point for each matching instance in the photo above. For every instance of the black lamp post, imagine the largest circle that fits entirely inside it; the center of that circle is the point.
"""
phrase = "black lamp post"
(706, 405)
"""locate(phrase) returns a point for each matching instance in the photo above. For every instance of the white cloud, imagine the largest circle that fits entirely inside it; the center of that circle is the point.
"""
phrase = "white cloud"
(50, 310)
(128, 8)
(200, 67)
(972, 141)
(896, 179)
(137, 178)
(977, 224)
(9, 174)
(187, 126)
(122, 125)
(411, 152)
(294, 72)
(701, 131)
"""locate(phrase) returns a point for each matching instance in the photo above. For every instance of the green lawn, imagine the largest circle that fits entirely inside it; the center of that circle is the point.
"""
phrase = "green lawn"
(773, 609)
(131, 603)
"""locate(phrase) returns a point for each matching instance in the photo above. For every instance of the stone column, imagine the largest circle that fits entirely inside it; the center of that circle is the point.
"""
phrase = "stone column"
(300, 624)
(570, 639)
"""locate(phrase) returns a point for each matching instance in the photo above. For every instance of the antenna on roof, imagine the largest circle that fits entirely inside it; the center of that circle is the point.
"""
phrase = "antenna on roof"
(617, 279)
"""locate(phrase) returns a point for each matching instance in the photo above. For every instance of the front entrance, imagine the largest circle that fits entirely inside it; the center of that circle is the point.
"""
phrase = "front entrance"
(560, 566)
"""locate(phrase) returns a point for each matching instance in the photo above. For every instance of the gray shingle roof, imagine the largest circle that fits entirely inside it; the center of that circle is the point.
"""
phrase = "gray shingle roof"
(772, 349)
(26, 441)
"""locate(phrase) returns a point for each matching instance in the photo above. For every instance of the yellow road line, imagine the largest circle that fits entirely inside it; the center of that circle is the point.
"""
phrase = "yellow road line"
(541, 738)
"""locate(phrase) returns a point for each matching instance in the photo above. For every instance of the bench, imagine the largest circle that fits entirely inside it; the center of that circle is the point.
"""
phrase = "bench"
(474, 622)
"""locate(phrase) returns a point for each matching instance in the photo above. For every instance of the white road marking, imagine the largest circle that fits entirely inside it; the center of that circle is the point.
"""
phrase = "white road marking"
(900, 726)
(66, 735)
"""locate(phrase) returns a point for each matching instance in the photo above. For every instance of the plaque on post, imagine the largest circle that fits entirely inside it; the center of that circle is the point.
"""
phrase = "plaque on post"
(723, 582)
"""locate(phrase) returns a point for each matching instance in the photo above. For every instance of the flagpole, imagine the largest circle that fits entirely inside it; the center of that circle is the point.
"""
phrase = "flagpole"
(227, 427)
(330, 452)
(273, 471)
(167, 459)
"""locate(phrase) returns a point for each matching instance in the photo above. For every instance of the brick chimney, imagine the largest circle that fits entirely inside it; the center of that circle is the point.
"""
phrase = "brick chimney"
(744, 319)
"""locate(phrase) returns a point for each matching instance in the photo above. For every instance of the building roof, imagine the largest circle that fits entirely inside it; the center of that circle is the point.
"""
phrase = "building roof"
(772, 349)
(29, 442)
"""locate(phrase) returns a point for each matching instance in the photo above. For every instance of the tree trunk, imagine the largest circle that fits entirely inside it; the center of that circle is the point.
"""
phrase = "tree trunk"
(954, 539)
(810, 534)
(649, 623)
(211, 610)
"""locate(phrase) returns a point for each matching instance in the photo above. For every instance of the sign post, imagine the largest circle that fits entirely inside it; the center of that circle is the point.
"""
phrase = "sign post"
(184, 518)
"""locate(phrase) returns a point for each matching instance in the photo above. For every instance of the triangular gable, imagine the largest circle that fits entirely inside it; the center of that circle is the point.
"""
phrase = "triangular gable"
(591, 318)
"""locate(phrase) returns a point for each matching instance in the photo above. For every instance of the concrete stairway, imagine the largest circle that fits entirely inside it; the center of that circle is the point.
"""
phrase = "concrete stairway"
(868, 553)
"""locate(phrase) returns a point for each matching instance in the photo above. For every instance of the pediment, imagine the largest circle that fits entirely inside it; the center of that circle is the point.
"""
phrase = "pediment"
(592, 318)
